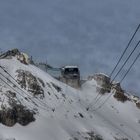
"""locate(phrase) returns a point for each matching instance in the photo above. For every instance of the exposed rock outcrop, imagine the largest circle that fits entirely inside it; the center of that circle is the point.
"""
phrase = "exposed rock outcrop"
(30, 82)
(138, 104)
(135, 99)
(22, 57)
(10, 53)
(12, 111)
(103, 81)
(119, 92)
(16, 114)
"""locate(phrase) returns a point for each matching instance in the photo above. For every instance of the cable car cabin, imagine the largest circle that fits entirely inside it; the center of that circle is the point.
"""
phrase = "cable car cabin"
(71, 76)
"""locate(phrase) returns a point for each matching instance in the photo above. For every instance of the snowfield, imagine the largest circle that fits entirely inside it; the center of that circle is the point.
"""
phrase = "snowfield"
(62, 113)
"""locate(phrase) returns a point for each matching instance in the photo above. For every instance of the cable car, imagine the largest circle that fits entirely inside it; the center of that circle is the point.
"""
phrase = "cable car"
(71, 76)
(71, 72)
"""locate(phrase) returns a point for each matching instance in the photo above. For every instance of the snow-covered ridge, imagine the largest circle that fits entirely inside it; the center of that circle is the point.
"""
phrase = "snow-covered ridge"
(60, 113)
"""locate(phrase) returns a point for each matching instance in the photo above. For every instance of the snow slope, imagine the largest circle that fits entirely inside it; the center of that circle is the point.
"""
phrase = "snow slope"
(63, 115)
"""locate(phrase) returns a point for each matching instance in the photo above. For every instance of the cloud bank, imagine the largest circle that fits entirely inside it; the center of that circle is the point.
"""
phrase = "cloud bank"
(89, 33)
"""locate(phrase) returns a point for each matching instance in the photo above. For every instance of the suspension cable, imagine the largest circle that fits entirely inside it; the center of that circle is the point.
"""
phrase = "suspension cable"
(119, 82)
(130, 68)
(120, 59)
(125, 50)
(20, 88)
(126, 61)
(116, 76)
(29, 96)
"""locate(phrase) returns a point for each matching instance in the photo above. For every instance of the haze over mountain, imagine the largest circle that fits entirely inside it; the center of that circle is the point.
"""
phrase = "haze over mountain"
(35, 106)
(64, 32)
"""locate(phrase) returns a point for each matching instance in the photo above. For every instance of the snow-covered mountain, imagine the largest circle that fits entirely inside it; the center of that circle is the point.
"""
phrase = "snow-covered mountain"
(35, 106)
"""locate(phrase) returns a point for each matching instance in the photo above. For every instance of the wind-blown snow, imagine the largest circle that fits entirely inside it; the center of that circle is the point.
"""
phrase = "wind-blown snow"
(70, 118)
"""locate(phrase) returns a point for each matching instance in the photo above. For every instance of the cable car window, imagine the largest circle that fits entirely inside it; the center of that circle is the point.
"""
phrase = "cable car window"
(71, 71)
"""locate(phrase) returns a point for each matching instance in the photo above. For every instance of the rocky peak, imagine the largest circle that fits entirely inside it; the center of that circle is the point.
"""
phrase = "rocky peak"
(103, 82)
(22, 57)
(10, 53)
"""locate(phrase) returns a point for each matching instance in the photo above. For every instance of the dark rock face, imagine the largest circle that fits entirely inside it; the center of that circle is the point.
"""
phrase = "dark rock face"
(104, 83)
(24, 116)
(138, 105)
(18, 114)
(120, 97)
(119, 93)
(15, 53)
(13, 111)
(10, 53)
(30, 82)
(8, 117)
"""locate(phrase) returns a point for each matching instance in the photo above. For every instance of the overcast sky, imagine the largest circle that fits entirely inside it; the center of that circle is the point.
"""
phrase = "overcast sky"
(89, 33)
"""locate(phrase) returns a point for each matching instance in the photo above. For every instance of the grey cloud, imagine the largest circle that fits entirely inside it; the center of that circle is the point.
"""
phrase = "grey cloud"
(89, 33)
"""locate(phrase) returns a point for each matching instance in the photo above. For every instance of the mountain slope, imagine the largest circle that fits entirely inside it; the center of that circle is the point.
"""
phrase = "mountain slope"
(60, 111)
